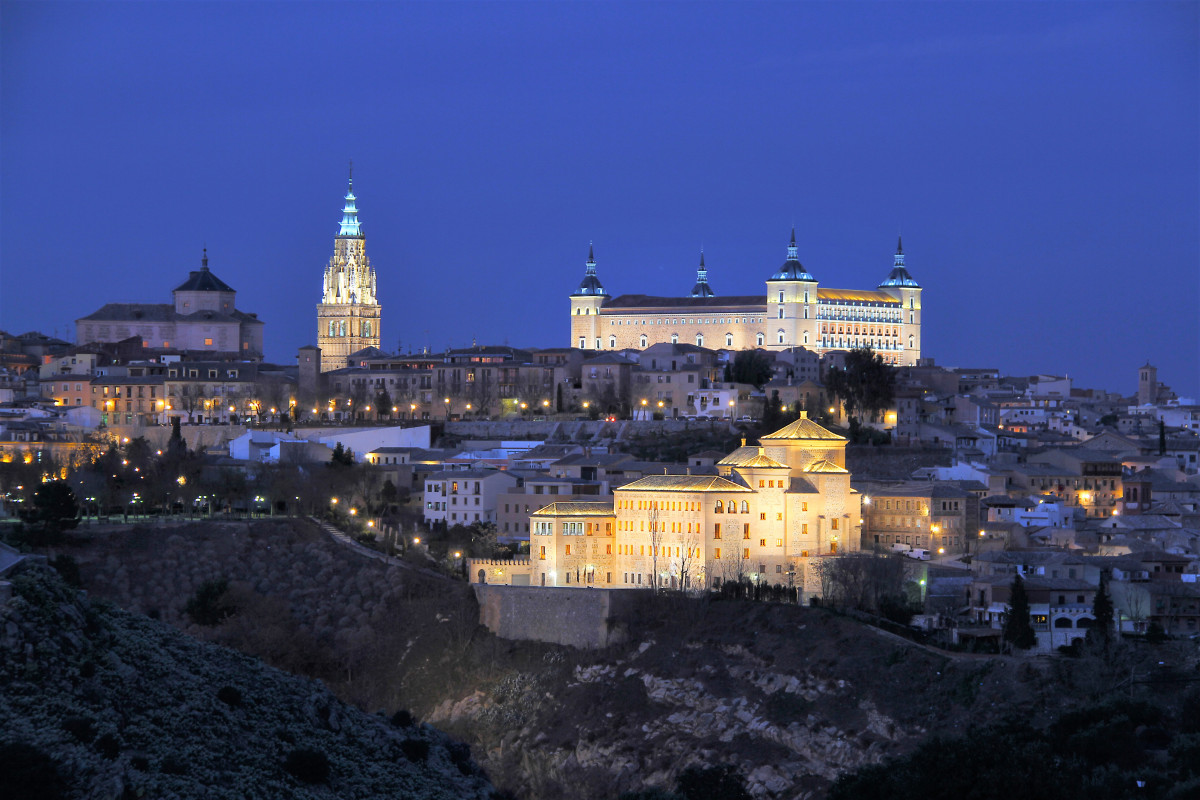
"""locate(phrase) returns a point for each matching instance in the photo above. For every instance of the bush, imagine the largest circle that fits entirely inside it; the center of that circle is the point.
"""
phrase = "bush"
(722, 782)
(68, 570)
(415, 750)
(229, 696)
(81, 728)
(209, 605)
(108, 746)
(172, 765)
(307, 765)
(402, 719)
(29, 774)
(460, 756)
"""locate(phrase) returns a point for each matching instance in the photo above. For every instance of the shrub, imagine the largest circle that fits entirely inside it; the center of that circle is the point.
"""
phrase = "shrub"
(68, 570)
(81, 728)
(229, 696)
(209, 605)
(402, 718)
(307, 765)
(172, 765)
(29, 774)
(415, 750)
(108, 745)
(460, 756)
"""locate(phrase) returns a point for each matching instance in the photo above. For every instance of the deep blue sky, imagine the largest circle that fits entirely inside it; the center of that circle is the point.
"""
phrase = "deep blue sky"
(1040, 158)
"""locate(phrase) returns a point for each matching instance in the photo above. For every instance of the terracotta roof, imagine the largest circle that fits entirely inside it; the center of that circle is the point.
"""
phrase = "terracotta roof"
(740, 456)
(576, 510)
(804, 428)
(761, 461)
(683, 483)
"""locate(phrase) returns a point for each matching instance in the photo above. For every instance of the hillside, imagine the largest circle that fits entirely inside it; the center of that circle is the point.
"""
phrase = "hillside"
(792, 697)
(96, 702)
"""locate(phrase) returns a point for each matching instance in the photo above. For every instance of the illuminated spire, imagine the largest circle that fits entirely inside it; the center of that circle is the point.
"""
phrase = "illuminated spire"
(793, 251)
(899, 275)
(702, 289)
(350, 226)
(590, 285)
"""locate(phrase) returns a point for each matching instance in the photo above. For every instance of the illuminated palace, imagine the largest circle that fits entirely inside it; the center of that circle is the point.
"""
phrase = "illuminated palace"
(795, 311)
(766, 516)
(348, 314)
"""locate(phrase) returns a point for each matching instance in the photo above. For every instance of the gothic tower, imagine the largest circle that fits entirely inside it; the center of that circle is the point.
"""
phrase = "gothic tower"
(348, 314)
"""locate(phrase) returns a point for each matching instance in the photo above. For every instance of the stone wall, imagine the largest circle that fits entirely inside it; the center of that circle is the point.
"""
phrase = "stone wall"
(586, 618)
(574, 430)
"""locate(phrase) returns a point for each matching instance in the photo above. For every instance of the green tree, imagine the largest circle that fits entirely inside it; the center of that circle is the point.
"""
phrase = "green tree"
(54, 507)
(1018, 630)
(1102, 609)
(866, 384)
(383, 403)
(754, 367)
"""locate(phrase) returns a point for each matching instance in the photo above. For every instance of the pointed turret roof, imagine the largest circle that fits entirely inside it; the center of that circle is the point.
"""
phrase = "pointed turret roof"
(792, 269)
(899, 275)
(590, 285)
(350, 224)
(702, 289)
(202, 280)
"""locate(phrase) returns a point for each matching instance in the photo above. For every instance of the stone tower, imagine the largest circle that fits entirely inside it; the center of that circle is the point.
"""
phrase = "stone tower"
(348, 314)
(585, 307)
(901, 285)
(791, 303)
(1147, 385)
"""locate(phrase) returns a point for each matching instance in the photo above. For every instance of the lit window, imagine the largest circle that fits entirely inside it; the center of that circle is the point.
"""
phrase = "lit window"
(208, 342)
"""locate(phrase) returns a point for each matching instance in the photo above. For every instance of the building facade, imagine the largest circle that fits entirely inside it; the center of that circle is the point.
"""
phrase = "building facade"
(203, 317)
(769, 515)
(348, 315)
(796, 311)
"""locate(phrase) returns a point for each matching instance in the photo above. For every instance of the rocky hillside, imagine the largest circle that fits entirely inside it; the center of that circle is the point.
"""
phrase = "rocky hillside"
(792, 697)
(96, 702)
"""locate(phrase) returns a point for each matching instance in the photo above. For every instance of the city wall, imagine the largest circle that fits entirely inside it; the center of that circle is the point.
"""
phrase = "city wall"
(549, 430)
(585, 618)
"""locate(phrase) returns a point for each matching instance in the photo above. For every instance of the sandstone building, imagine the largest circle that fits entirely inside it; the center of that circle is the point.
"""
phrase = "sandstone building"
(769, 514)
(202, 317)
(796, 311)
(348, 315)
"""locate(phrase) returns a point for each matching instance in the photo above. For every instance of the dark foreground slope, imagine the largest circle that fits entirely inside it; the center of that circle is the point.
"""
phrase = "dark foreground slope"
(100, 703)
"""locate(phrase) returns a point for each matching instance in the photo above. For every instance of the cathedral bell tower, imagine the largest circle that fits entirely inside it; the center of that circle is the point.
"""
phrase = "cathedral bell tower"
(348, 314)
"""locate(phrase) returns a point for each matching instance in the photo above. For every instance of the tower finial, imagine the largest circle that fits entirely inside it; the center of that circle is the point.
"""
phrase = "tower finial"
(204, 258)
(900, 245)
(701, 258)
(351, 173)
(793, 236)
(591, 256)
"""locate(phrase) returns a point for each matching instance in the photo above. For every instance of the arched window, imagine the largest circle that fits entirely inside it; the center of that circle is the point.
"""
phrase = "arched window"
(674, 338)
(732, 506)
(612, 341)
(699, 340)
(720, 508)
(745, 507)
(1062, 622)
(729, 340)
(758, 340)
(912, 341)
(806, 337)
(781, 337)
(642, 341)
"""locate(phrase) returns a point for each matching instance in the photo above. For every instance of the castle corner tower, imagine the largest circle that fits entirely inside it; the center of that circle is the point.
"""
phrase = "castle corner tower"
(348, 315)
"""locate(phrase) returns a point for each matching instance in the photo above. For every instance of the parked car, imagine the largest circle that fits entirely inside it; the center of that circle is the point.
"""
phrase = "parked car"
(919, 554)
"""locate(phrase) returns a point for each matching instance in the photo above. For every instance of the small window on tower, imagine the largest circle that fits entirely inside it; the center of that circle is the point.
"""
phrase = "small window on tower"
(208, 342)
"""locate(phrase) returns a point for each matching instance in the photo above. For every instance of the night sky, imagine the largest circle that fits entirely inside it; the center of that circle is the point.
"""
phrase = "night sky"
(1041, 159)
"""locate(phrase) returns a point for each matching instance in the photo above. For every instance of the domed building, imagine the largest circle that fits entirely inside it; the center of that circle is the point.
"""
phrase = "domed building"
(795, 312)
(203, 317)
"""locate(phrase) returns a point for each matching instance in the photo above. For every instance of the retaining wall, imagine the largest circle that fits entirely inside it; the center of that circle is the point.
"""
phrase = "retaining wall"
(585, 618)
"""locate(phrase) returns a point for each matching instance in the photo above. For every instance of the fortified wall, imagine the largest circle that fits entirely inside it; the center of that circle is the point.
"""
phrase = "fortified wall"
(586, 618)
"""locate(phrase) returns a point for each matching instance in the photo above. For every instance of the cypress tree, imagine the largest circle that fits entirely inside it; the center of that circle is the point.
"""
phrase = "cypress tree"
(1018, 630)
(1102, 610)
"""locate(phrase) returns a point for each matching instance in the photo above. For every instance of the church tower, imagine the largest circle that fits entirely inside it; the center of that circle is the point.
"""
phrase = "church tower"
(348, 314)
(792, 303)
(585, 307)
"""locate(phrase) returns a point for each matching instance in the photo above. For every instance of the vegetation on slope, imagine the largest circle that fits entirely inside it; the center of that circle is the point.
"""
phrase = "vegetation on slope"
(98, 702)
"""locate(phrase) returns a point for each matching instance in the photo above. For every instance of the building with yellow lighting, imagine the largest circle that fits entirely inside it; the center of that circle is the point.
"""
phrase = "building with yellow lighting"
(769, 515)
(796, 311)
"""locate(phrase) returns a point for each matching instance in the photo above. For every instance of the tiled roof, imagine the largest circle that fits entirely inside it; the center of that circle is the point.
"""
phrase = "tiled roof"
(740, 456)
(202, 280)
(576, 509)
(826, 466)
(857, 295)
(637, 301)
(683, 483)
(761, 461)
(803, 428)
(134, 312)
